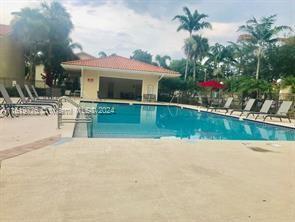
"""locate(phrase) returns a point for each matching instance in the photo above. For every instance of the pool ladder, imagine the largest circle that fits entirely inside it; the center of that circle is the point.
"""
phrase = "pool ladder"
(78, 119)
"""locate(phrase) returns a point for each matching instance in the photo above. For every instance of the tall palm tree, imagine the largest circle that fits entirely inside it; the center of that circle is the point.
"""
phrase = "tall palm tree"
(59, 23)
(261, 34)
(191, 22)
(189, 45)
(199, 50)
(162, 60)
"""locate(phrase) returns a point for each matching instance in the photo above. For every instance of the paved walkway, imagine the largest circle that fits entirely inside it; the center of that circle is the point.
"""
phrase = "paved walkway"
(150, 180)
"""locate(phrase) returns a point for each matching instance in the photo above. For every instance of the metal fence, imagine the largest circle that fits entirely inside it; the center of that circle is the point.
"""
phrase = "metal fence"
(238, 102)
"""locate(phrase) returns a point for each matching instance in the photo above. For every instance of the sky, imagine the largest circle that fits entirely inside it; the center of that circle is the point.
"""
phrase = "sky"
(122, 26)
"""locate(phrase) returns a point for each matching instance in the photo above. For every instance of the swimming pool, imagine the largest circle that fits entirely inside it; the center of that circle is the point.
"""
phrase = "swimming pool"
(116, 120)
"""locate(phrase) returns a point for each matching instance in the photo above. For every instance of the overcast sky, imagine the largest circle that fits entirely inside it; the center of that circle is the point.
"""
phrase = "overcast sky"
(121, 26)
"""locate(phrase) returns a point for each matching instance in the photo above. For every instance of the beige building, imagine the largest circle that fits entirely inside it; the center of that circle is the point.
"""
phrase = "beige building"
(116, 77)
(12, 66)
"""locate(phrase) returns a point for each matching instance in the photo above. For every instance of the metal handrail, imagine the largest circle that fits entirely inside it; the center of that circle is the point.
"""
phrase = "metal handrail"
(60, 120)
(68, 99)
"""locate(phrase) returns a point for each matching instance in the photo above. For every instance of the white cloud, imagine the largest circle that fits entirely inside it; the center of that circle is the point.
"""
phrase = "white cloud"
(115, 28)
(9, 6)
(222, 32)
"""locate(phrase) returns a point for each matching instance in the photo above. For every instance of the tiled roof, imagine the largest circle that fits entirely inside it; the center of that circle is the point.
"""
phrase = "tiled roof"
(119, 62)
(4, 29)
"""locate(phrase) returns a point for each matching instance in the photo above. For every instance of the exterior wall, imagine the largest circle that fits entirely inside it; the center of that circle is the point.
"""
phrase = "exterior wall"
(90, 81)
(12, 66)
(150, 86)
(90, 88)
(39, 81)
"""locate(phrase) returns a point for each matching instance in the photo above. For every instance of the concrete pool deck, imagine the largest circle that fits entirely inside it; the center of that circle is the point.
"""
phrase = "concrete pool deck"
(76, 179)
(150, 180)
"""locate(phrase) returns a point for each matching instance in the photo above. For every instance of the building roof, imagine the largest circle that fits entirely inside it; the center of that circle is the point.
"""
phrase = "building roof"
(4, 29)
(121, 63)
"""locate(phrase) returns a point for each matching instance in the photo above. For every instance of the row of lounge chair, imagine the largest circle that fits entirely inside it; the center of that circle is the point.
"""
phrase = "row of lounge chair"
(282, 112)
(32, 103)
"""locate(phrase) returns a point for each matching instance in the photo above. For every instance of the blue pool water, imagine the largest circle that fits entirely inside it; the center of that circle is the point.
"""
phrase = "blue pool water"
(144, 121)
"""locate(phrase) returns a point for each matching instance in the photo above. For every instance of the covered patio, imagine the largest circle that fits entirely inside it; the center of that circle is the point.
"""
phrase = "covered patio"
(117, 77)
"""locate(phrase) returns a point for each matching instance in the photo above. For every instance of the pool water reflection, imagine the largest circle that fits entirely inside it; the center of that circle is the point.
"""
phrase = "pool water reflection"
(143, 121)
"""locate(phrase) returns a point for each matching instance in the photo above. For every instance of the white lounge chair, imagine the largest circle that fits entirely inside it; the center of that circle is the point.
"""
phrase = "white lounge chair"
(264, 109)
(282, 111)
(247, 108)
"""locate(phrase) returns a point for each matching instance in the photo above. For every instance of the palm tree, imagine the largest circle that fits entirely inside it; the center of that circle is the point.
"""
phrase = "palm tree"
(261, 34)
(162, 60)
(189, 45)
(222, 59)
(200, 48)
(191, 22)
(59, 23)
(216, 57)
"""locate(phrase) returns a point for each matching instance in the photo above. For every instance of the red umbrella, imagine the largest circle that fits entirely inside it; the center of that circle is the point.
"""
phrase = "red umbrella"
(211, 84)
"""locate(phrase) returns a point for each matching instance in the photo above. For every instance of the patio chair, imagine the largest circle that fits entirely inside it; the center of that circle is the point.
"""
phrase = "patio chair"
(264, 109)
(282, 111)
(9, 105)
(247, 108)
(225, 107)
(23, 99)
(33, 99)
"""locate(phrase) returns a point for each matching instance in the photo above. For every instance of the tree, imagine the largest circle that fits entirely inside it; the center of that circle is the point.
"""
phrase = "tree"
(248, 86)
(222, 60)
(45, 31)
(241, 54)
(180, 65)
(162, 60)
(102, 54)
(142, 56)
(281, 59)
(261, 34)
(191, 23)
(59, 24)
(28, 28)
(199, 51)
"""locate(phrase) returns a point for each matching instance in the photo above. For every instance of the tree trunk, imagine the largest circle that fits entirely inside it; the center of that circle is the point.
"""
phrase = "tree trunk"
(186, 68)
(194, 75)
(186, 64)
(258, 63)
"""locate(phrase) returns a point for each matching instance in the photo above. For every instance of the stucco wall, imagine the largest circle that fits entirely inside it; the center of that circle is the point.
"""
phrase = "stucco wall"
(150, 86)
(12, 65)
(90, 83)
(90, 88)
